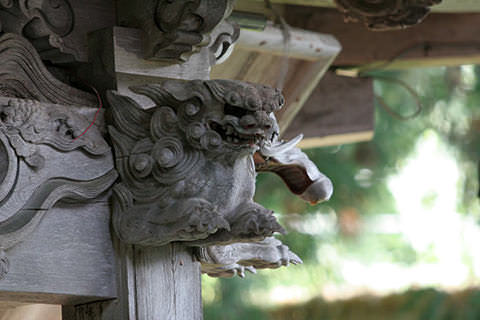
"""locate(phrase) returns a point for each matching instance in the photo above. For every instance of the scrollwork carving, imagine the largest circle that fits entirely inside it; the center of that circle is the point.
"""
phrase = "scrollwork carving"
(234, 259)
(187, 166)
(45, 160)
(23, 75)
(45, 23)
(174, 30)
(386, 14)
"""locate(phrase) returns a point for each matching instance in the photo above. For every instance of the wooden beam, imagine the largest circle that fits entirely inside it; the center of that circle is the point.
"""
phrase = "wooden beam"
(339, 111)
(445, 6)
(336, 139)
(303, 44)
(157, 282)
(430, 43)
(260, 57)
(34, 312)
(62, 267)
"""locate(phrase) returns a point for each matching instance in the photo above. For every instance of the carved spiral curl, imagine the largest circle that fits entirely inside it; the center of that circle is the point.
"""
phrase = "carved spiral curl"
(168, 152)
(202, 138)
(211, 140)
(140, 163)
(194, 133)
(173, 163)
(164, 122)
(190, 109)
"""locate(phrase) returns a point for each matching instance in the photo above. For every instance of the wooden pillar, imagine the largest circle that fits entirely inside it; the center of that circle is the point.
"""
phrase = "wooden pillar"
(153, 283)
(168, 283)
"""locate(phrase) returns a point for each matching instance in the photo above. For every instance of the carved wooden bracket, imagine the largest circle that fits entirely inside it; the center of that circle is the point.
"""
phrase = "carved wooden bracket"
(386, 14)
(230, 260)
(41, 142)
(188, 172)
(187, 166)
(174, 30)
(56, 28)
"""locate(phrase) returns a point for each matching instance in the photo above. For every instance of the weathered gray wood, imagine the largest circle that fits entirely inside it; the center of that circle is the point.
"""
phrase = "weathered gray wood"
(58, 29)
(123, 307)
(120, 51)
(117, 62)
(149, 280)
(153, 283)
(167, 282)
(168, 31)
(61, 262)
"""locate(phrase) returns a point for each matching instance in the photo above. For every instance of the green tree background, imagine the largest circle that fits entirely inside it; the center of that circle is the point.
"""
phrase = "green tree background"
(451, 109)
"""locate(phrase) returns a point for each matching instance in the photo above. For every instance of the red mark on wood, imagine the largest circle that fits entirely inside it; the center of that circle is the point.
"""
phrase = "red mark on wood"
(100, 105)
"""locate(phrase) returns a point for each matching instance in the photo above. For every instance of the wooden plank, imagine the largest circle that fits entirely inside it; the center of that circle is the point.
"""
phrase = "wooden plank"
(301, 77)
(259, 7)
(69, 267)
(258, 58)
(336, 139)
(128, 57)
(445, 6)
(33, 312)
(303, 44)
(117, 63)
(304, 80)
(311, 3)
(167, 282)
(458, 6)
(339, 111)
(428, 41)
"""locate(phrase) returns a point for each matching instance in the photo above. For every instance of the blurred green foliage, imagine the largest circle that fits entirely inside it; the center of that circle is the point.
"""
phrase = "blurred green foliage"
(360, 172)
(418, 304)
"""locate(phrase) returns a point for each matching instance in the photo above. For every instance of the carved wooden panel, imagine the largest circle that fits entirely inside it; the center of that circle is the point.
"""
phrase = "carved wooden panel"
(57, 28)
(186, 166)
(188, 169)
(386, 14)
(52, 152)
(174, 30)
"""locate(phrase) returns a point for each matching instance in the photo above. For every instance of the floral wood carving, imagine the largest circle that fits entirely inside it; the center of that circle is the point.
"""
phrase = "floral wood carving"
(386, 14)
(176, 29)
(40, 153)
(186, 166)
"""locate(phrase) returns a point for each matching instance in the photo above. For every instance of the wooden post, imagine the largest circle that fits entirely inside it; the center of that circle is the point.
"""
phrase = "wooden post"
(153, 283)
(167, 283)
